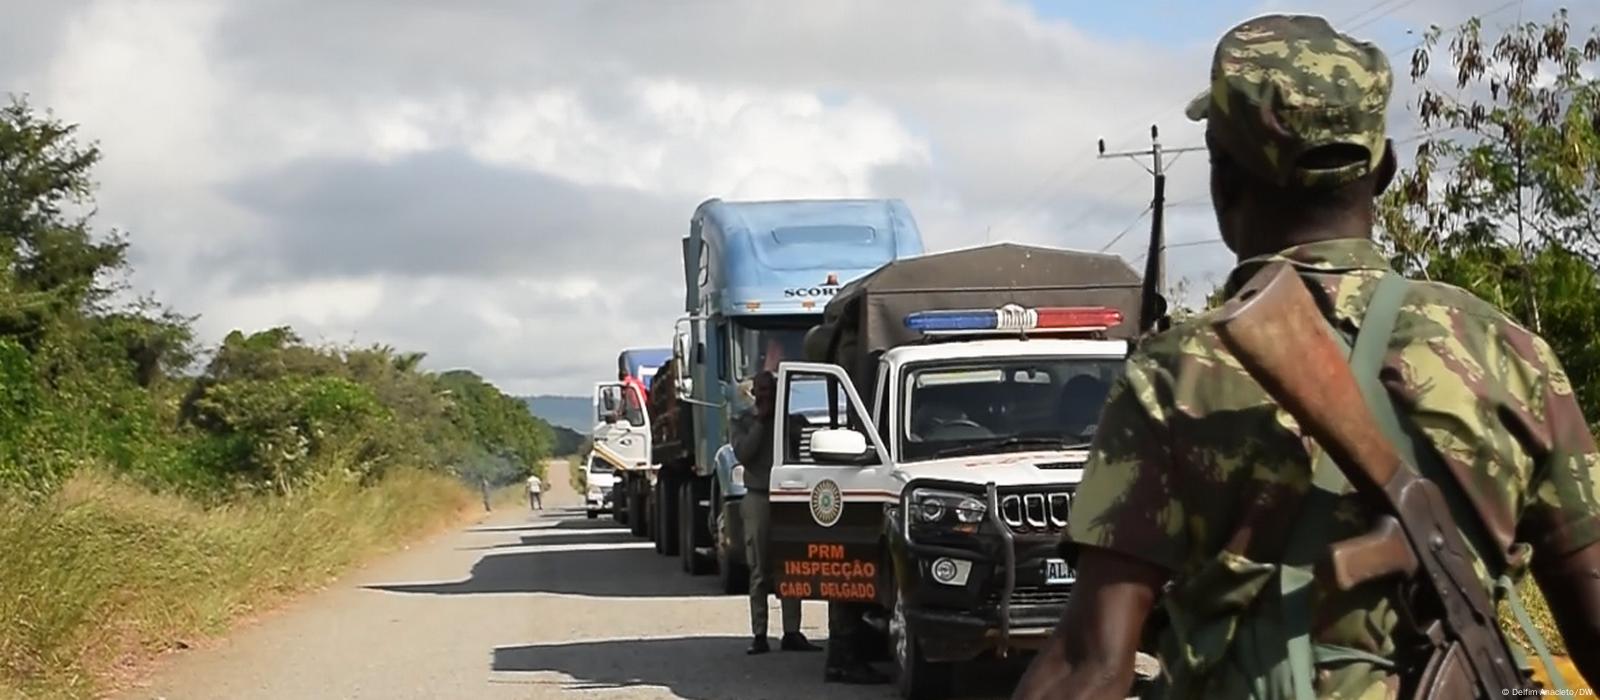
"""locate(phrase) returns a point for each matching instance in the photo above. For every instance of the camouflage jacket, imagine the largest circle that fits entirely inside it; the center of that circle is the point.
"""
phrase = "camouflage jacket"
(1188, 442)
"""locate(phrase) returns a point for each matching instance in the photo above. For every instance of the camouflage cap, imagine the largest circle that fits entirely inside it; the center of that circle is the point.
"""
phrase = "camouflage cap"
(1283, 86)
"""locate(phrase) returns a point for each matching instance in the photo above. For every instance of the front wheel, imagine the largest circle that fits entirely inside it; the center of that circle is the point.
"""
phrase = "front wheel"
(592, 515)
(917, 678)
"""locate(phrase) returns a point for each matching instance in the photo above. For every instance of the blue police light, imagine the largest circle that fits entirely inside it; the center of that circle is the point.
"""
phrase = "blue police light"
(937, 321)
(1014, 319)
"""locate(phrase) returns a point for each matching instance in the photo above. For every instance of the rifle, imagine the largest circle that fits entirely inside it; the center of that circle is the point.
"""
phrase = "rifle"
(1280, 336)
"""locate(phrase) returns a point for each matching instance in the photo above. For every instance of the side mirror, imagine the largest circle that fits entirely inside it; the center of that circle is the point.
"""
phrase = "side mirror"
(839, 446)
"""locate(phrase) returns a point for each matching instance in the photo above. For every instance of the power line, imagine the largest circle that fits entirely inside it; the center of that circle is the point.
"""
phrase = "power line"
(1372, 20)
(1186, 244)
(1100, 204)
(1124, 232)
(1351, 20)
(1028, 203)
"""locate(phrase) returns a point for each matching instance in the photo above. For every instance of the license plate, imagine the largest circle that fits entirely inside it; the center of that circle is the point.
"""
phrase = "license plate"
(1057, 571)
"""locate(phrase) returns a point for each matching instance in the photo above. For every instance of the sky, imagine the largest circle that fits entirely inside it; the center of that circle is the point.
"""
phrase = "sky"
(502, 184)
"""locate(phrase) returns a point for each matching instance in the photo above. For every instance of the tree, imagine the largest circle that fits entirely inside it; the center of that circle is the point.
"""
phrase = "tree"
(1503, 198)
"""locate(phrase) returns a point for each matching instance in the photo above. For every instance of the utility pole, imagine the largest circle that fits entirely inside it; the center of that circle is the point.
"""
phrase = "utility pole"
(1153, 306)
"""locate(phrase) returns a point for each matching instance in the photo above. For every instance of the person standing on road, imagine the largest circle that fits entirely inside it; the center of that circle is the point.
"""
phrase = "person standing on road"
(535, 492)
(752, 445)
(1190, 450)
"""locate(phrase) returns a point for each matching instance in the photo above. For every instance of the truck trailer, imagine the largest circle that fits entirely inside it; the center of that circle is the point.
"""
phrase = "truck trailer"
(757, 276)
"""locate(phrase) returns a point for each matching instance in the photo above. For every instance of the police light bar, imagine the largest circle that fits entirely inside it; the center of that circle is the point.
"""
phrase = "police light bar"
(1014, 319)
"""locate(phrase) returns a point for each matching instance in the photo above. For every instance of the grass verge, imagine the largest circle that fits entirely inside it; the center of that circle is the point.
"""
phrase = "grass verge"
(105, 574)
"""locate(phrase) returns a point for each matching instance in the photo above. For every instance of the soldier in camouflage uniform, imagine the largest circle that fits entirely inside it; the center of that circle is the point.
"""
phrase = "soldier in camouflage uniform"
(1190, 451)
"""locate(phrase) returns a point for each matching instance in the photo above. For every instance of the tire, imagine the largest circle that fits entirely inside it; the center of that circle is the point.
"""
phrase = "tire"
(655, 517)
(592, 515)
(733, 576)
(916, 678)
(667, 516)
(693, 562)
(636, 515)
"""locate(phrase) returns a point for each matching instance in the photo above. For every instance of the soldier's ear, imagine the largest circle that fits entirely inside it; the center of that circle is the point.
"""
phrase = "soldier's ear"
(1386, 168)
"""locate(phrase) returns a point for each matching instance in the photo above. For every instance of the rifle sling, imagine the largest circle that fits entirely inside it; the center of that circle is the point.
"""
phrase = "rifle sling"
(1418, 453)
(1308, 538)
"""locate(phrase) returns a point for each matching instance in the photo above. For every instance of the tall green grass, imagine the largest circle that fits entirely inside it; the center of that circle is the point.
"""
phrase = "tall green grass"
(106, 574)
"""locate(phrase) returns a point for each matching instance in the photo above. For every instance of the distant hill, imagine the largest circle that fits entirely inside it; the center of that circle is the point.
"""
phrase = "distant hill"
(574, 413)
(568, 441)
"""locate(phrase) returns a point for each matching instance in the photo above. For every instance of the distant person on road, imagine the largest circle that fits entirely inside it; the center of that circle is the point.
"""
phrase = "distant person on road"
(752, 445)
(535, 487)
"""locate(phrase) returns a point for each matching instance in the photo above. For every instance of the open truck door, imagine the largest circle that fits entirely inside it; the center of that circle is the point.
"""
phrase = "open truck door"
(622, 426)
(826, 495)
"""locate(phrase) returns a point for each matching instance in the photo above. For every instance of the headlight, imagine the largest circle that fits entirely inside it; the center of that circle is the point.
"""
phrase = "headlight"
(933, 507)
(594, 491)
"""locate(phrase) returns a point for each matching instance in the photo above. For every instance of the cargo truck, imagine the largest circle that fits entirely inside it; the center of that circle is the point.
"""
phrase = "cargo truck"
(757, 276)
(636, 370)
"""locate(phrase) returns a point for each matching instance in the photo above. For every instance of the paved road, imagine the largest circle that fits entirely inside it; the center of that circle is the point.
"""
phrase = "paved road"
(519, 606)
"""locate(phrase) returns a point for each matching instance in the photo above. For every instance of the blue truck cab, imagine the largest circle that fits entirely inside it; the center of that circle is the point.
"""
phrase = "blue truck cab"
(642, 364)
(757, 276)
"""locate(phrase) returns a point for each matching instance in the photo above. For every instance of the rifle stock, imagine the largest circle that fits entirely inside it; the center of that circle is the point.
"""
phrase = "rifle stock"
(1279, 335)
(1277, 332)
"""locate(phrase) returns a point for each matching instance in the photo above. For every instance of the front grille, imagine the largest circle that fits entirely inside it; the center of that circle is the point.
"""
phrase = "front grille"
(1033, 595)
(1035, 512)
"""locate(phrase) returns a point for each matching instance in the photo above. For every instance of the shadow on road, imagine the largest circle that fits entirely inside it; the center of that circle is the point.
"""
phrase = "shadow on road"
(611, 564)
(715, 667)
(555, 536)
(578, 523)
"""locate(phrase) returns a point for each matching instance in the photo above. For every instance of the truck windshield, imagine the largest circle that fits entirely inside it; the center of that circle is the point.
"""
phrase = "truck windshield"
(599, 466)
(760, 347)
(989, 405)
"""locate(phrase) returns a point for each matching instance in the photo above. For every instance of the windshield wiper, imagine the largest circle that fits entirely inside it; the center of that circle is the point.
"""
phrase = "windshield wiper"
(998, 444)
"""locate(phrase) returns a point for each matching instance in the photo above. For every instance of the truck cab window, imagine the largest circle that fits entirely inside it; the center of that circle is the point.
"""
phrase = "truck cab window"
(759, 349)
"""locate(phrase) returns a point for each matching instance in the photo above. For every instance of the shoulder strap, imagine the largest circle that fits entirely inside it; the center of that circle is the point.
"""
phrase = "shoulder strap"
(1422, 457)
(1308, 539)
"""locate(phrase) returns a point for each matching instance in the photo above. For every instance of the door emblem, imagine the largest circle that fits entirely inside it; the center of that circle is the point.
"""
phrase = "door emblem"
(827, 503)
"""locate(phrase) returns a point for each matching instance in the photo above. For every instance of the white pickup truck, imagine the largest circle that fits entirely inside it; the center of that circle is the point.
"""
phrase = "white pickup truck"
(599, 478)
(939, 495)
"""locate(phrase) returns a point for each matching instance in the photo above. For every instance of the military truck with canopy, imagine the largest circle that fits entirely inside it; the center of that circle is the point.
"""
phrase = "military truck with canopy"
(961, 390)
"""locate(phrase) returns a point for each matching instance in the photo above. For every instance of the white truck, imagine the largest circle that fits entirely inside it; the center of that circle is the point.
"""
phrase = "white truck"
(621, 440)
(962, 390)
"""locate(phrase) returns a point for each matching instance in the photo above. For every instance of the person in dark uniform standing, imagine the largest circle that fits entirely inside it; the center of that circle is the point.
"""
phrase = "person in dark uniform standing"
(752, 445)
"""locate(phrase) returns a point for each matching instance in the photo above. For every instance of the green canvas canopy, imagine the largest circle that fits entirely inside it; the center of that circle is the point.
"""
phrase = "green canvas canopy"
(867, 316)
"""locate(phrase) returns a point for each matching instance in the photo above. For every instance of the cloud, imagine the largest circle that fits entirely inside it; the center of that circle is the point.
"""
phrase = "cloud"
(503, 184)
(439, 213)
